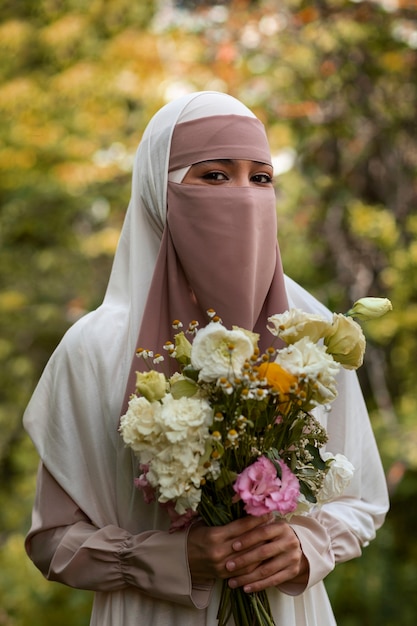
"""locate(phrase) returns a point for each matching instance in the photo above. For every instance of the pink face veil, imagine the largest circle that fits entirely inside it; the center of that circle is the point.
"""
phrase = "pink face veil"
(219, 246)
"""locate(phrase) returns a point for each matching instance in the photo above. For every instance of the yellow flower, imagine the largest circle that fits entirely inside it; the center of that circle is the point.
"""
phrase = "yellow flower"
(151, 385)
(345, 341)
(278, 378)
(370, 308)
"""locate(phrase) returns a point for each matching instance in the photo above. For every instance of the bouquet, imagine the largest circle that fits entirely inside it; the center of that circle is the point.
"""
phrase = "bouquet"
(233, 432)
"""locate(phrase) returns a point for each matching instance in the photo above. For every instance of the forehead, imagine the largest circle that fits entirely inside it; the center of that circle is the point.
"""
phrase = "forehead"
(218, 137)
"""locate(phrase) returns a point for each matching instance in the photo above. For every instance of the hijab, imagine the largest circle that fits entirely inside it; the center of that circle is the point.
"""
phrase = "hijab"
(181, 249)
(219, 245)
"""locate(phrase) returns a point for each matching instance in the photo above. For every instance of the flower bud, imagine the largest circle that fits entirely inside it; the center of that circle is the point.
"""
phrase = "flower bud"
(370, 308)
(152, 385)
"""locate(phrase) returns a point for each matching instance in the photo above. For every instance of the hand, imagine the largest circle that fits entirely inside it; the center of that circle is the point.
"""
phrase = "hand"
(210, 548)
(254, 552)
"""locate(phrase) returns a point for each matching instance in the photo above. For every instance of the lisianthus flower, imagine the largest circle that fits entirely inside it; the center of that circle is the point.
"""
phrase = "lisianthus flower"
(370, 308)
(296, 324)
(338, 477)
(278, 378)
(218, 352)
(152, 385)
(346, 342)
(310, 362)
(182, 349)
(263, 491)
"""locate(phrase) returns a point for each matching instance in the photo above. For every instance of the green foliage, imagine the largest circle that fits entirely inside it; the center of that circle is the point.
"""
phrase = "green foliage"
(334, 82)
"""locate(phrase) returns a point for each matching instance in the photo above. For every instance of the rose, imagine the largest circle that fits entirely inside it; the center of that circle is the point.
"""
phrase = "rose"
(337, 478)
(296, 324)
(218, 352)
(262, 490)
(345, 341)
(370, 308)
(310, 362)
(152, 385)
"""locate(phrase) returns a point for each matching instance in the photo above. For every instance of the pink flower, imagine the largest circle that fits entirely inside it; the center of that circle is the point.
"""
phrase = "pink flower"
(263, 491)
(143, 484)
(178, 522)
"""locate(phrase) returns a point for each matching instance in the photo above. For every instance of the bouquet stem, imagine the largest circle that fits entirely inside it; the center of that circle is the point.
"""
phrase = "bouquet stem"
(247, 609)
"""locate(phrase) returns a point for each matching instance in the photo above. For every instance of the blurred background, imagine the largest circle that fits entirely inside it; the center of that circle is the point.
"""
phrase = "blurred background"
(335, 82)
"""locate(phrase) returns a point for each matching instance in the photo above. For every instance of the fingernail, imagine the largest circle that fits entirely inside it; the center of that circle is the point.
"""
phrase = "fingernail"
(237, 545)
(232, 583)
(230, 565)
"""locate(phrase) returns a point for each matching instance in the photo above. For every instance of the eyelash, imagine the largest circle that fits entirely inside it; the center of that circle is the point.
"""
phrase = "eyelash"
(213, 175)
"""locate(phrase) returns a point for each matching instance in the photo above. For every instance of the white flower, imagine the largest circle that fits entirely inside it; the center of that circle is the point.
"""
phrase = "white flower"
(217, 352)
(186, 418)
(310, 362)
(345, 341)
(296, 324)
(370, 308)
(337, 478)
(140, 426)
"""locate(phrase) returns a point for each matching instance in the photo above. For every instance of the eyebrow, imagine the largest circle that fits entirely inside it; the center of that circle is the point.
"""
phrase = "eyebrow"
(227, 161)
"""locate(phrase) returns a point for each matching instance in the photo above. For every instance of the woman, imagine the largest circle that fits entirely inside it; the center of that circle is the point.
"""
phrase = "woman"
(200, 232)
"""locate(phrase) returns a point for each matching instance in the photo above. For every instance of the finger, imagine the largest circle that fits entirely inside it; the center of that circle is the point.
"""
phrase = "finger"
(245, 525)
(275, 543)
(271, 530)
(270, 573)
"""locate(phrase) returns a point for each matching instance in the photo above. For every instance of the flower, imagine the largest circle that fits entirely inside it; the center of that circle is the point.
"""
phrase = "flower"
(218, 352)
(278, 378)
(310, 362)
(370, 308)
(345, 341)
(337, 478)
(263, 491)
(296, 324)
(152, 385)
(140, 425)
(232, 431)
(186, 419)
(182, 349)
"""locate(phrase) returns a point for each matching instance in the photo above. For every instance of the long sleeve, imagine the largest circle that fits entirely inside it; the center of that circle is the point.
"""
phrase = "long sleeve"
(68, 548)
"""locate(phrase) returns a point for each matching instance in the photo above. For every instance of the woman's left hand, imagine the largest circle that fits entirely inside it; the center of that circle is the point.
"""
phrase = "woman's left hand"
(267, 556)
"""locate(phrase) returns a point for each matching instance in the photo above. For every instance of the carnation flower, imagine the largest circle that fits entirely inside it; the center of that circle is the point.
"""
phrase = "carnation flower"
(140, 426)
(310, 362)
(263, 491)
(296, 324)
(345, 341)
(185, 418)
(218, 352)
(337, 477)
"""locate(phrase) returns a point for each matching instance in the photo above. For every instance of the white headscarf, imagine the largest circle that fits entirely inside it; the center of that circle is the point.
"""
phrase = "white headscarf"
(73, 415)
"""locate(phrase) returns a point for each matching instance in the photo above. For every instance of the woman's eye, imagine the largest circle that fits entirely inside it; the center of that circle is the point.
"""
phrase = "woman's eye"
(215, 176)
(262, 178)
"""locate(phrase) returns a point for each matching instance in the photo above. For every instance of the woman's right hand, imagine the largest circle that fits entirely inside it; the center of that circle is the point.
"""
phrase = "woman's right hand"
(211, 548)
